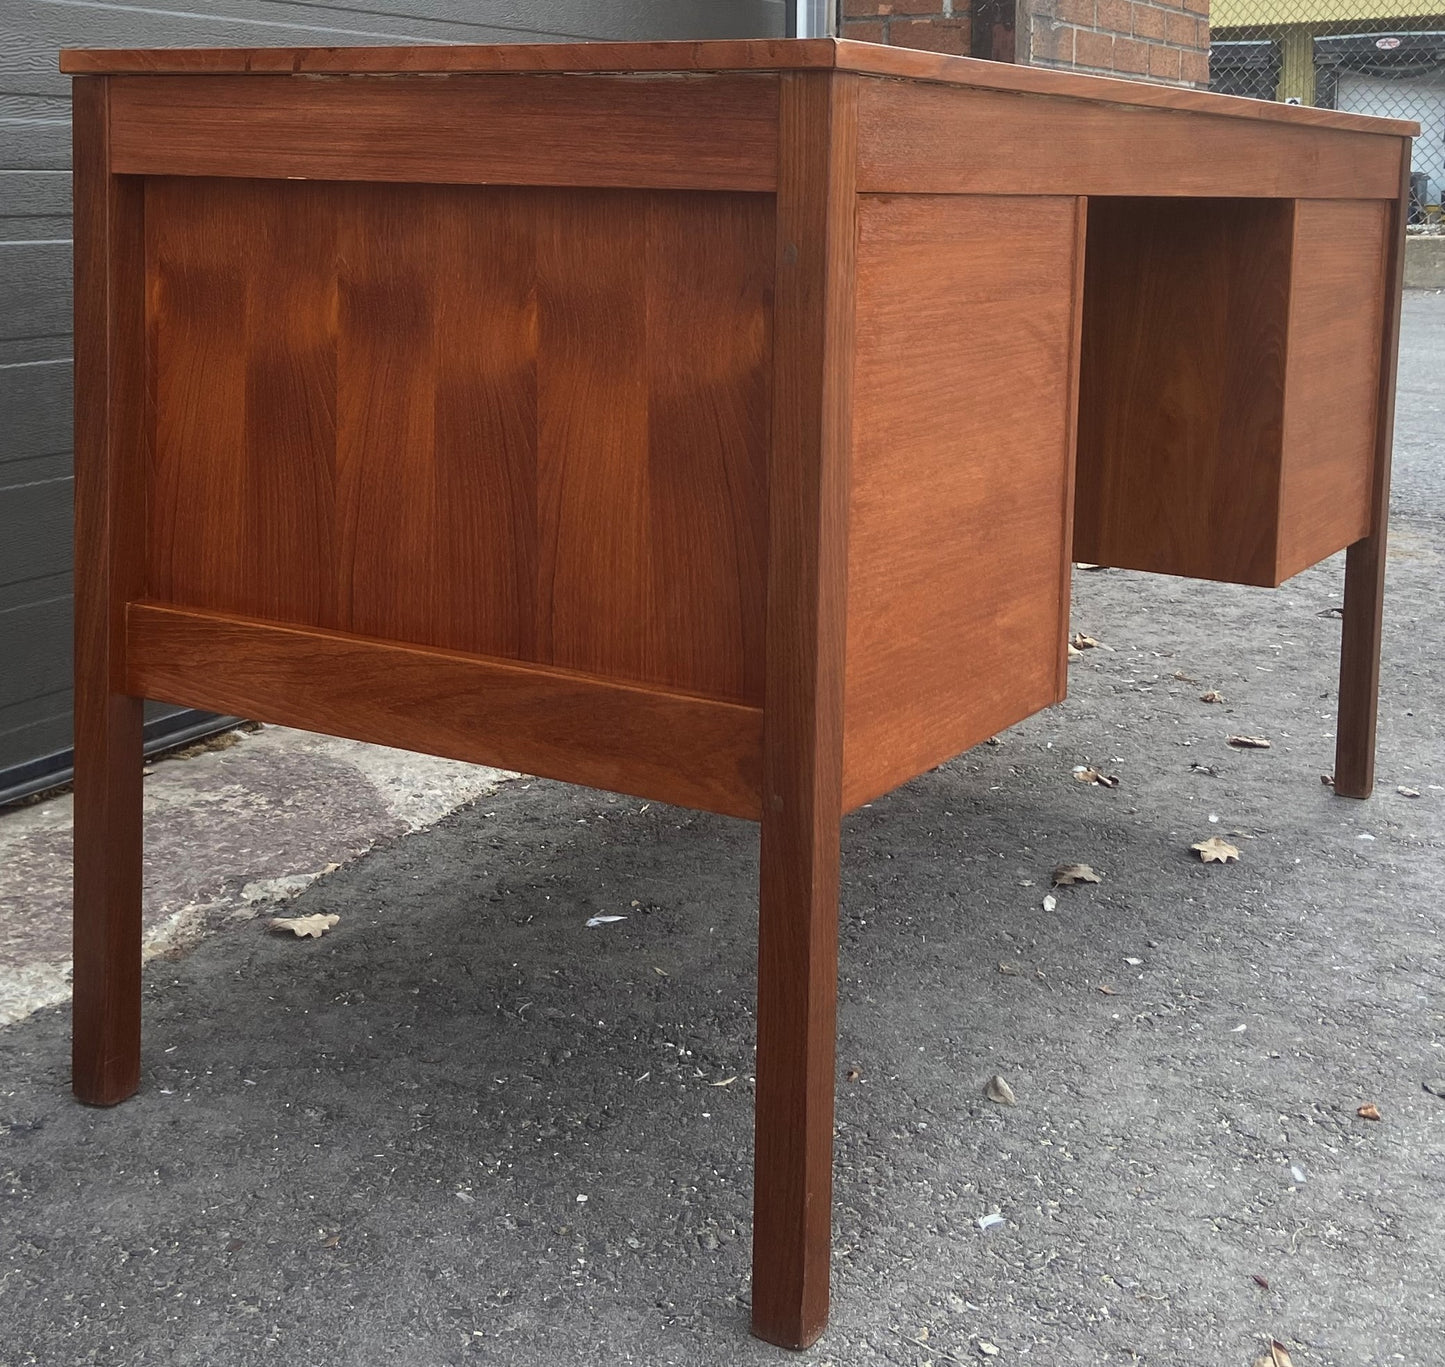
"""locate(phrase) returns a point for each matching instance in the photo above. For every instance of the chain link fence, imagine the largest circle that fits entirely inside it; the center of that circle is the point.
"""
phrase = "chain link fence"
(1384, 57)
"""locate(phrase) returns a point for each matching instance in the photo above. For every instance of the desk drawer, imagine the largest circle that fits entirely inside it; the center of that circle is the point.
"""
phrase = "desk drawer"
(1229, 383)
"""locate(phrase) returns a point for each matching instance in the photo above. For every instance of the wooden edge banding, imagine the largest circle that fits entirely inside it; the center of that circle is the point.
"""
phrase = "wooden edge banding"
(757, 54)
(671, 747)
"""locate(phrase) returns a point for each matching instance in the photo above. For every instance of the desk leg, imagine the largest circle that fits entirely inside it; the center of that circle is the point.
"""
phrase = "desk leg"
(1360, 666)
(1365, 560)
(105, 1043)
(802, 770)
(110, 518)
(797, 1008)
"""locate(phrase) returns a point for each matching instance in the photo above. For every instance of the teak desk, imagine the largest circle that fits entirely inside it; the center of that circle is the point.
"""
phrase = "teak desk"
(698, 421)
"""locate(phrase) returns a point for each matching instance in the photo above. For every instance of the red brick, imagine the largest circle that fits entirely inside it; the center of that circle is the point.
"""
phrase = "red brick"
(1075, 11)
(1148, 22)
(1182, 29)
(1113, 15)
(936, 35)
(1052, 43)
(865, 30)
(1194, 67)
(1131, 56)
(1094, 50)
(1164, 62)
(1197, 6)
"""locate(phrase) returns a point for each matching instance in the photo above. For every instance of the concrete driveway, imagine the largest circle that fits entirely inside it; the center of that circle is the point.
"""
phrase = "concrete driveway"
(465, 1127)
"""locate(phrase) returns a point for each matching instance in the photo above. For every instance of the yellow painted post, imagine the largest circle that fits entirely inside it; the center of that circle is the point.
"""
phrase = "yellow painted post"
(1297, 63)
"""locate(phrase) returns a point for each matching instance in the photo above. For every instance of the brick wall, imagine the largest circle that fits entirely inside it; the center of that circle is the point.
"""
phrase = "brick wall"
(1158, 40)
(1154, 40)
(939, 25)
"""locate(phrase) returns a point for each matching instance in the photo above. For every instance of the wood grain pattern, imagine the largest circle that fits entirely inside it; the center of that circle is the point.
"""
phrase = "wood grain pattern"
(699, 132)
(962, 453)
(1182, 379)
(1365, 561)
(723, 55)
(803, 710)
(915, 138)
(671, 747)
(109, 458)
(1332, 395)
(526, 423)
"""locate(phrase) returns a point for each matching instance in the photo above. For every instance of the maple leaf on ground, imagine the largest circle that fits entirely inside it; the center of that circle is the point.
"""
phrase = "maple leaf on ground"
(303, 926)
(1215, 851)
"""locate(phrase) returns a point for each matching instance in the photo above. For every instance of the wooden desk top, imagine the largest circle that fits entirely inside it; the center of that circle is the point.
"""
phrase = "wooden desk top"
(763, 54)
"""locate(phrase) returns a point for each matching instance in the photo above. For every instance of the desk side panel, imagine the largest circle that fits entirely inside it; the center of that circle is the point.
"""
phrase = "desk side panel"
(1336, 312)
(524, 424)
(926, 138)
(962, 455)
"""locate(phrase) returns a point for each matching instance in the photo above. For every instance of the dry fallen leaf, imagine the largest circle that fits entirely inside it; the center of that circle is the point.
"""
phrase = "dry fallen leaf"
(302, 926)
(1066, 875)
(1214, 695)
(998, 1090)
(1081, 642)
(1328, 780)
(1074, 651)
(1261, 1282)
(1107, 990)
(1407, 792)
(1248, 742)
(726, 1082)
(853, 1075)
(1083, 774)
(1277, 1356)
(1369, 1111)
(1183, 677)
(1009, 970)
(1215, 851)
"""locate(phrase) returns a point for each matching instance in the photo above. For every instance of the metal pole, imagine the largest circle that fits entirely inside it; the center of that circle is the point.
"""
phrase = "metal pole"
(810, 18)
